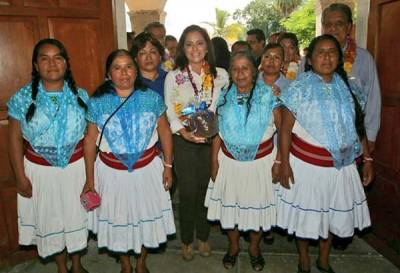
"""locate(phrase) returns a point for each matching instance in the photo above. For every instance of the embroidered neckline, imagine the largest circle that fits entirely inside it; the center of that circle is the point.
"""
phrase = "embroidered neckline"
(242, 98)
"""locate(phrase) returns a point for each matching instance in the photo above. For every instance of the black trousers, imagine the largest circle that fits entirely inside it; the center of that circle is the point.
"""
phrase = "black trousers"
(192, 165)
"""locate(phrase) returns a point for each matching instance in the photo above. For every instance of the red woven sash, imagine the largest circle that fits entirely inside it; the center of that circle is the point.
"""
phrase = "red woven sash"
(112, 161)
(264, 149)
(36, 158)
(309, 153)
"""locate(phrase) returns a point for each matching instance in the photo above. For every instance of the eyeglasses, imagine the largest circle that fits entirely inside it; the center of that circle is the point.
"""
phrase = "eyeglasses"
(331, 53)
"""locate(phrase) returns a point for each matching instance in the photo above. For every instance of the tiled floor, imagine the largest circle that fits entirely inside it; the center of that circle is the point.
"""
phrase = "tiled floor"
(281, 257)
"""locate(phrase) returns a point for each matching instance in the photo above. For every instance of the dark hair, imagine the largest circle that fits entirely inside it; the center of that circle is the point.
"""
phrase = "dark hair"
(36, 76)
(130, 35)
(273, 46)
(222, 54)
(275, 36)
(107, 86)
(289, 35)
(343, 8)
(250, 58)
(292, 37)
(152, 25)
(181, 60)
(260, 36)
(240, 43)
(140, 42)
(170, 38)
(360, 128)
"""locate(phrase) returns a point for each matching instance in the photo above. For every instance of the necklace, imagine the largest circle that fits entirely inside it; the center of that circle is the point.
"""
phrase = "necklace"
(54, 100)
(242, 98)
(206, 86)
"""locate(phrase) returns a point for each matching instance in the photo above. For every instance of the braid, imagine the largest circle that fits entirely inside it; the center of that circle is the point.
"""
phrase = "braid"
(106, 87)
(229, 88)
(35, 90)
(255, 75)
(360, 128)
(359, 123)
(36, 76)
(249, 100)
(72, 85)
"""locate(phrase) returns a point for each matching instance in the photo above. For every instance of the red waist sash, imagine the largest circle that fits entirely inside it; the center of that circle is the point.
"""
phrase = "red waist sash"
(34, 157)
(264, 149)
(309, 153)
(113, 162)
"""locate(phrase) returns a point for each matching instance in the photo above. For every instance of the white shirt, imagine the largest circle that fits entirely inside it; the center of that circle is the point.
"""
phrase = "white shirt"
(179, 90)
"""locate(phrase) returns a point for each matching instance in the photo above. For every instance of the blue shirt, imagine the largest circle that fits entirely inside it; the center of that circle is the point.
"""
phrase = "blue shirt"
(242, 128)
(281, 82)
(130, 129)
(365, 75)
(326, 112)
(158, 84)
(57, 125)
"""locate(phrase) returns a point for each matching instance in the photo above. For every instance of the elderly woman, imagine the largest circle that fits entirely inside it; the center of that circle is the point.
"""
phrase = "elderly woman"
(321, 191)
(195, 81)
(133, 182)
(290, 44)
(148, 53)
(241, 195)
(47, 118)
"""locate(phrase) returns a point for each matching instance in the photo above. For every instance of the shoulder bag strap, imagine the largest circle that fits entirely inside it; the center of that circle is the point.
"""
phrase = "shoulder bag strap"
(108, 119)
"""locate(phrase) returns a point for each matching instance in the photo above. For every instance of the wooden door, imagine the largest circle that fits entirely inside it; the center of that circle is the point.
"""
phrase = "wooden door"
(384, 194)
(86, 29)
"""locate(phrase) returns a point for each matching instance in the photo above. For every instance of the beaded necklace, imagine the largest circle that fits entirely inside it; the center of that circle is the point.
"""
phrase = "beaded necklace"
(242, 98)
(208, 81)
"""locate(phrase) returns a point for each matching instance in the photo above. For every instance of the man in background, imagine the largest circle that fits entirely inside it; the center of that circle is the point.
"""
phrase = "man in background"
(256, 39)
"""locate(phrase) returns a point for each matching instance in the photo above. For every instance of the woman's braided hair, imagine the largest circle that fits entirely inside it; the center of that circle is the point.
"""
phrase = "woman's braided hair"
(360, 128)
(36, 75)
(239, 55)
(108, 86)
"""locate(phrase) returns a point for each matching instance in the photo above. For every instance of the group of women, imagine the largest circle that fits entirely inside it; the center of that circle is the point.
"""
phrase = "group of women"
(63, 145)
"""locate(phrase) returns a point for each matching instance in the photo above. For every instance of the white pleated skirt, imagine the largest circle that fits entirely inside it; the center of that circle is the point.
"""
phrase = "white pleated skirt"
(243, 194)
(322, 200)
(135, 209)
(53, 218)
